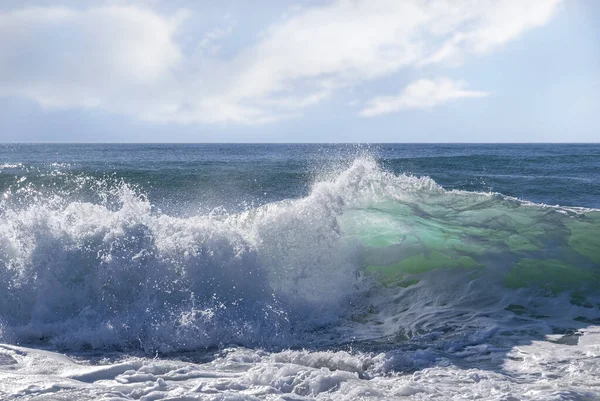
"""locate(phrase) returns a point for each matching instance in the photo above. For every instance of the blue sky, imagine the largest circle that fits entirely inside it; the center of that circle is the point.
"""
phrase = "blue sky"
(300, 71)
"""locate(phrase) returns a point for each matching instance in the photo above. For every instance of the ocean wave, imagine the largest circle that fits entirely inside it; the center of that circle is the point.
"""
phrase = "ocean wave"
(366, 255)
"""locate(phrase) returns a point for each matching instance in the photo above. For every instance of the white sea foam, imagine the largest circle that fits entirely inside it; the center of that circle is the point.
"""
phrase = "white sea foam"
(10, 165)
(540, 370)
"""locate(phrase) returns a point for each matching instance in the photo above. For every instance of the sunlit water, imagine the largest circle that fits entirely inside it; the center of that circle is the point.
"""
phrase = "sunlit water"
(299, 272)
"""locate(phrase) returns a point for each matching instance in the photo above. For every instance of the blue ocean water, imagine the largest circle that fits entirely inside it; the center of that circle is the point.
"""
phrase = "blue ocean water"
(210, 175)
(334, 263)
(391, 208)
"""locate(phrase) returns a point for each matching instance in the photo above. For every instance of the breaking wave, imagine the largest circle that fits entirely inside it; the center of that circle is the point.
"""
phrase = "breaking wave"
(367, 255)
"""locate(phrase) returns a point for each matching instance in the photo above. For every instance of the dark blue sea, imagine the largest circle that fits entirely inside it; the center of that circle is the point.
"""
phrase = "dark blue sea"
(205, 176)
(299, 271)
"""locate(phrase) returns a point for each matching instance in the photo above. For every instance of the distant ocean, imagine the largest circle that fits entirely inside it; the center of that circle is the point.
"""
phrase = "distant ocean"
(300, 272)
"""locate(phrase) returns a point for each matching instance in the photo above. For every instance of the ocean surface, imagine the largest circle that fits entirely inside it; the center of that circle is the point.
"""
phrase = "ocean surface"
(299, 272)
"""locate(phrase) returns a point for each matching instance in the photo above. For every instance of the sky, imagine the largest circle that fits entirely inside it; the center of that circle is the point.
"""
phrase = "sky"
(300, 71)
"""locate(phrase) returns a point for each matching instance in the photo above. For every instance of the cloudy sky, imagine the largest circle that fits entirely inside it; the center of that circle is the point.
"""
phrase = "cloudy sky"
(300, 71)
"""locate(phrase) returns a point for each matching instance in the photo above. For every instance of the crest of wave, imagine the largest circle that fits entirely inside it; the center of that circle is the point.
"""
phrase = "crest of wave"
(116, 273)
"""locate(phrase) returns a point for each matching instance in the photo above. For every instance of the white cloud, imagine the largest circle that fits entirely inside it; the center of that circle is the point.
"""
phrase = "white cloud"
(421, 94)
(491, 24)
(128, 59)
(65, 58)
(350, 42)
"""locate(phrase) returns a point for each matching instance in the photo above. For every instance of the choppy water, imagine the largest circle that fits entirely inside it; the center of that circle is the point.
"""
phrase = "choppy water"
(299, 272)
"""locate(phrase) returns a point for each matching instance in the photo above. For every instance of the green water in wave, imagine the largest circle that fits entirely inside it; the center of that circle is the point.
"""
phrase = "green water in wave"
(525, 245)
